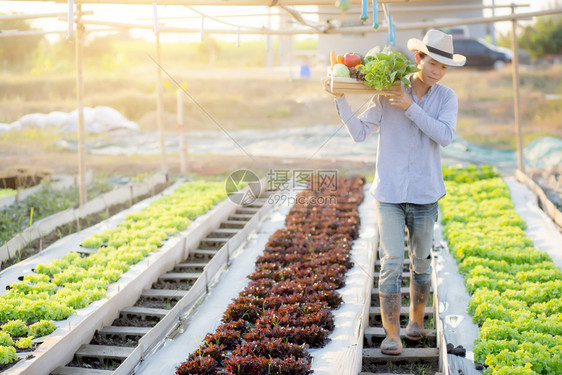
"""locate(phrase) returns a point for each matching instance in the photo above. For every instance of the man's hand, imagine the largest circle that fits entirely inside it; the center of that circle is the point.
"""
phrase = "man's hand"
(326, 85)
(398, 97)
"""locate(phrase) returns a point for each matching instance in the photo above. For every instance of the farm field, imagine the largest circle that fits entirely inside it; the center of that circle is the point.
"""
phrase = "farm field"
(515, 293)
(487, 191)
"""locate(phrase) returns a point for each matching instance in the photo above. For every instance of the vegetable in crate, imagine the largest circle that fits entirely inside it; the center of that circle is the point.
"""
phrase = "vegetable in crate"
(382, 69)
(340, 70)
(351, 59)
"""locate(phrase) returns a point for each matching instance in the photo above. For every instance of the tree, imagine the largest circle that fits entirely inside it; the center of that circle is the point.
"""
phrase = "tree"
(541, 39)
(544, 37)
(18, 50)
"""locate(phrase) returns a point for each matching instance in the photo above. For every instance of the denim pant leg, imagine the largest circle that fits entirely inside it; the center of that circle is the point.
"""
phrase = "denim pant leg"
(391, 221)
(420, 220)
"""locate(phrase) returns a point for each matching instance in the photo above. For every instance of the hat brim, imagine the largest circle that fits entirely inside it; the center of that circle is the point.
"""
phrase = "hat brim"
(417, 45)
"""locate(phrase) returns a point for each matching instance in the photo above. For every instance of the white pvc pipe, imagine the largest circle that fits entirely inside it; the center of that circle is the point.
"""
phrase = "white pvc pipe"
(155, 11)
(70, 35)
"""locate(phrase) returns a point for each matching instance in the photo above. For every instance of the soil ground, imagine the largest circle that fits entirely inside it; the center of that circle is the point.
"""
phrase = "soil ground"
(257, 99)
(33, 157)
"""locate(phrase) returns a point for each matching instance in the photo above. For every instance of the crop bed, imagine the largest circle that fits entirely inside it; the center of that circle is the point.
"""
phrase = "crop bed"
(516, 290)
(56, 290)
(44, 214)
(285, 309)
(117, 348)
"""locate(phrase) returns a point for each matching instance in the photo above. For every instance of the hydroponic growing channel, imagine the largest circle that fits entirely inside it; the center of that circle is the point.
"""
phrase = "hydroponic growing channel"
(66, 285)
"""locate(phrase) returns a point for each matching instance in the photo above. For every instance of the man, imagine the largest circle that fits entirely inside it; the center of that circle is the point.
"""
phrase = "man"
(412, 123)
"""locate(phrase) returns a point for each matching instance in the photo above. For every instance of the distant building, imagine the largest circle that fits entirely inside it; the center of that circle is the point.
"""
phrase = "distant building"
(401, 15)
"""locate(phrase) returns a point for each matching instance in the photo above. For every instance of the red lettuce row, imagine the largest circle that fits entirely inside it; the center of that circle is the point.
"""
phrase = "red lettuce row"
(286, 307)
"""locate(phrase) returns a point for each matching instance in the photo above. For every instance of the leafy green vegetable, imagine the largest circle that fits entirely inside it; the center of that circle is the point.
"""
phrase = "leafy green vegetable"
(384, 68)
(7, 355)
(5, 339)
(15, 328)
(24, 343)
(516, 289)
(6, 192)
(42, 328)
(74, 281)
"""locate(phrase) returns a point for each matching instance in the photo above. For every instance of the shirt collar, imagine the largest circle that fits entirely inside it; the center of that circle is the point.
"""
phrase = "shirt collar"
(410, 89)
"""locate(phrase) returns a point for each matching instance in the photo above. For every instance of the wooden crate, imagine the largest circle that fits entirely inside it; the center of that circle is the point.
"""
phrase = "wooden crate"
(341, 85)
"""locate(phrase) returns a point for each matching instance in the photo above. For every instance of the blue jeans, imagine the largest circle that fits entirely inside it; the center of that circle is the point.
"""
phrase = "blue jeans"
(393, 219)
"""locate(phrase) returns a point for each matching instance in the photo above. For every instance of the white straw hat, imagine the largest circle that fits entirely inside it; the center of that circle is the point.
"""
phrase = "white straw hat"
(439, 46)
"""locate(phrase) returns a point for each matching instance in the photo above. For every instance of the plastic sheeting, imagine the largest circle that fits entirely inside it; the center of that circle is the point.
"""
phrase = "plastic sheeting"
(96, 120)
(540, 228)
(544, 152)
(320, 142)
(458, 327)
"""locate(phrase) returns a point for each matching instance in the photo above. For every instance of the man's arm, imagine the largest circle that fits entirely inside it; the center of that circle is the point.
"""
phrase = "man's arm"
(357, 127)
(442, 128)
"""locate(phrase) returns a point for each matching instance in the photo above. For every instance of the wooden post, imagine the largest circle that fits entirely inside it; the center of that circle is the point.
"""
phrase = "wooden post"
(182, 144)
(80, 98)
(516, 97)
(160, 107)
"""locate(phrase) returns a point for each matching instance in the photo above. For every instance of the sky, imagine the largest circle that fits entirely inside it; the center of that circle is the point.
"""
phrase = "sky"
(132, 13)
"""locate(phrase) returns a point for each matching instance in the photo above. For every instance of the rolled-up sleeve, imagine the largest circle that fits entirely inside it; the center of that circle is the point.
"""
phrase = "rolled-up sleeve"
(442, 128)
(359, 127)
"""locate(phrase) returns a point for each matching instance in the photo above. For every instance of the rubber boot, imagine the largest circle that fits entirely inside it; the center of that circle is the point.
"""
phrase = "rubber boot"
(390, 313)
(418, 300)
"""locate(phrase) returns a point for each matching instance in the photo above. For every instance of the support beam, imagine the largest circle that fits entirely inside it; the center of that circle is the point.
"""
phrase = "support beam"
(332, 29)
(24, 16)
(357, 11)
(182, 143)
(160, 107)
(79, 43)
(516, 94)
(229, 2)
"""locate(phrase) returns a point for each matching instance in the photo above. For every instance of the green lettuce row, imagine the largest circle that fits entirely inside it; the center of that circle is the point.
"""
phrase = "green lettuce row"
(74, 281)
(516, 290)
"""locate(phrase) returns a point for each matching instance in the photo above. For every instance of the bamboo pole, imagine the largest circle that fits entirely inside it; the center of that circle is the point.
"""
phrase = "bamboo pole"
(182, 144)
(12, 33)
(160, 107)
(228, 2)
(336, 12)
(332, 30)
(79, 43)
(23, 16)
(516, 94)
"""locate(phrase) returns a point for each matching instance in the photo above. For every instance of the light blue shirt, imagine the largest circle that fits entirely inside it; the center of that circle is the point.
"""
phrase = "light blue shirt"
(408, 166)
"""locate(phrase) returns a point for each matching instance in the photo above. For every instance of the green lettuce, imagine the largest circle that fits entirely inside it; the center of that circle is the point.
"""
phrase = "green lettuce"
(384, 68)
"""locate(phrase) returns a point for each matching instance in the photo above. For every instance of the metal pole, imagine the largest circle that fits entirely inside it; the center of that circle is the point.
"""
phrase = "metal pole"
(516, 97)
(160, 107)
(80, 97)
(183, 145)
